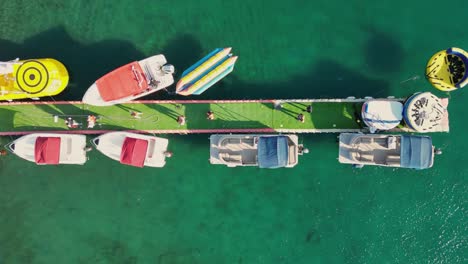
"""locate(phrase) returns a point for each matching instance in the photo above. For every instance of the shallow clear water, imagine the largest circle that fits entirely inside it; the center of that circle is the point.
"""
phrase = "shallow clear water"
(191, 212)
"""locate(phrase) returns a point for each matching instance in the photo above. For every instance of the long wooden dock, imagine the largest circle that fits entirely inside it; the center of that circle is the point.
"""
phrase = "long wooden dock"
(245, 116)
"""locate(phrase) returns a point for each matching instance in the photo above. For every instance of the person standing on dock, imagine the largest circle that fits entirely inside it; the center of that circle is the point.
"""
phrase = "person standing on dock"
(301, 118)
(91, 121)
(135, 114)
(210, 115)
(71, 123)
(181, 120)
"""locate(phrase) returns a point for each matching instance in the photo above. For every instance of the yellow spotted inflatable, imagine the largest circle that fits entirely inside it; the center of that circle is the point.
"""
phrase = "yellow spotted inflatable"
(32, 78)
(447, 69)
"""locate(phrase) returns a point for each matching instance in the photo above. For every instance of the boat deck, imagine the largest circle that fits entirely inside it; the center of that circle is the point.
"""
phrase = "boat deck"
(245, 116)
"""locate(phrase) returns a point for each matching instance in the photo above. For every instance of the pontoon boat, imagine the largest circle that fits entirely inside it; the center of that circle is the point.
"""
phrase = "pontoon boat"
(264, 151)
(405, 151)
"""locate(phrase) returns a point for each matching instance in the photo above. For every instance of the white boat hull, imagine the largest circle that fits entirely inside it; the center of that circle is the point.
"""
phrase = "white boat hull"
(152, 65)
(72, 147)
(110, 144)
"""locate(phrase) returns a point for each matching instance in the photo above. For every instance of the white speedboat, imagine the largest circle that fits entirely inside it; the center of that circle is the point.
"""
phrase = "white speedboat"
(405, 151)
(50, 148)
(131, 81)
(133, 149)
(264, 151)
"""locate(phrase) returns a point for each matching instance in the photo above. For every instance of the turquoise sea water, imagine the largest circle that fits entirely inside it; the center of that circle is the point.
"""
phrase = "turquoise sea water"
(191, 212)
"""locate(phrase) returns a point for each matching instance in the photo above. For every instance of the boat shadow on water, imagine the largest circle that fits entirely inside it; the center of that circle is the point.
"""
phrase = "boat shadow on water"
(324, 79)
(383, 53)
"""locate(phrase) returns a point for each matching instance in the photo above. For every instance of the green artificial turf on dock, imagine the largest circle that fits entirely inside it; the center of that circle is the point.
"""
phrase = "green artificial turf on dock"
(161, 117)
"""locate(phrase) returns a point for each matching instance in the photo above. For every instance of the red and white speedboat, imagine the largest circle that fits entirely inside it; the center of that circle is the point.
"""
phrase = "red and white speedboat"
(50, 148)
(133, 149)
(131, 81)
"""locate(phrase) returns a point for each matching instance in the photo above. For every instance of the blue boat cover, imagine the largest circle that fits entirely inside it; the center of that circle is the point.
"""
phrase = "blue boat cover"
(272, 152)
(416, 152)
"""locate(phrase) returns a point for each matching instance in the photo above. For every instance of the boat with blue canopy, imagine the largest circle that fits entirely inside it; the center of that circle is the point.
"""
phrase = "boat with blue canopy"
(404, 151)
(264, 151)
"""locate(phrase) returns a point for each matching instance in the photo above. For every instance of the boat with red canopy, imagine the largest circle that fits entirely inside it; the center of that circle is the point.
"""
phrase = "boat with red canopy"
(50, 148)
(131, 81)
(133, 149)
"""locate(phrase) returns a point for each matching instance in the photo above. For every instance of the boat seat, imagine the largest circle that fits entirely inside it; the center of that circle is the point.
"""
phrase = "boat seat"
(234, 140)
(251, 162)
(355, 155)
(249, 141)
(292, 154)
(366, 140)
(151, 146)
(235, 158)
(392, 162)
(391, 143)
(69, 146)
(366, 157)
(229, 141)
(66, 148)
(232, 158)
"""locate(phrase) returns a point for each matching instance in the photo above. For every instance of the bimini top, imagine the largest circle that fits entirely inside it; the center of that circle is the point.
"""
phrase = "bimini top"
(125, 81)
(416, 152)
(47, 150)
(134, 152)
(447, 70)
(272, 152)
(382, 114)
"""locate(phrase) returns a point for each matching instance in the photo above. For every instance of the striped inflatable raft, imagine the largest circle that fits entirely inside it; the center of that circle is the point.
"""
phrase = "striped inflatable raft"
(206, 72)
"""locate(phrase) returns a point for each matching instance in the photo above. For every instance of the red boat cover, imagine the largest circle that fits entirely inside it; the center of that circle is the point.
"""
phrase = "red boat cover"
(134, 152)
(47, 150)
(125, 81)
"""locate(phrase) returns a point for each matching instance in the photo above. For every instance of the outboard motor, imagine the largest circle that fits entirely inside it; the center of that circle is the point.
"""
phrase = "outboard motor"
(302, 150)
(168, 69)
